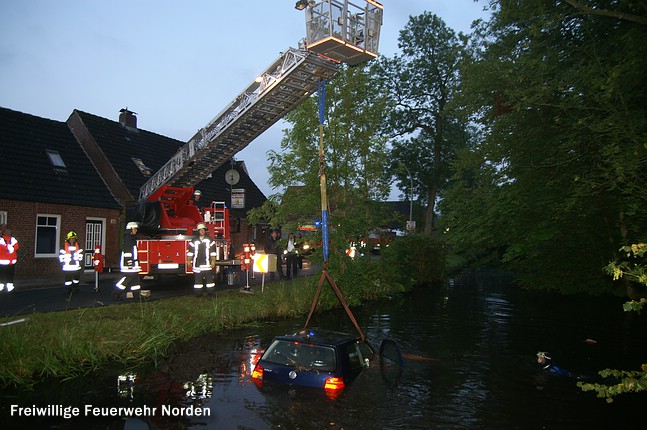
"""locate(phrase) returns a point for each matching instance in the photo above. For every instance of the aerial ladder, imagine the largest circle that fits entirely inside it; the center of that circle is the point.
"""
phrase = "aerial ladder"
(338, 31)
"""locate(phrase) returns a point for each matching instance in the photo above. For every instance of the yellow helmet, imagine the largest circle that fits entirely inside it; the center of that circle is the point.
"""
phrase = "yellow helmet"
(71, 234)
(201, 225)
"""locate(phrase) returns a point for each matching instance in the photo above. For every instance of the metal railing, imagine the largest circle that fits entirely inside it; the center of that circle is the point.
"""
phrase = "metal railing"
(283, 86)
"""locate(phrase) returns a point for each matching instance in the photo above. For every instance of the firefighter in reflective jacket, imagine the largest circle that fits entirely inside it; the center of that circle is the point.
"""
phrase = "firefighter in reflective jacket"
(129, 263)
(8, 258)
(71, 257)
(201, 256)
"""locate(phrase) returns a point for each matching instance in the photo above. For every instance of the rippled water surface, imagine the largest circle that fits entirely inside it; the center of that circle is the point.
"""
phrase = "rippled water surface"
(470, 364)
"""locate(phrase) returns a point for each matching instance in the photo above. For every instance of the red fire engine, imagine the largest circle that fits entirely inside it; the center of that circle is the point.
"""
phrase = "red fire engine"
(166, 252)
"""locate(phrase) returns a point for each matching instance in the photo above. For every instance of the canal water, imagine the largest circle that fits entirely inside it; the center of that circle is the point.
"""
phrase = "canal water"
(470, 363)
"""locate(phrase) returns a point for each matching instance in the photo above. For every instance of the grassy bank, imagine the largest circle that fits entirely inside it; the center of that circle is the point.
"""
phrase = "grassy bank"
(71, 343)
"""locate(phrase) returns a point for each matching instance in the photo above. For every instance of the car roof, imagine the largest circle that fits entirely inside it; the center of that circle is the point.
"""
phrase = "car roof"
(319, 337)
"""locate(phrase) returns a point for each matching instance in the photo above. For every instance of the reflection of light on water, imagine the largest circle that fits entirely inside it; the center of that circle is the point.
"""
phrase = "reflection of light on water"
(201, 388)
(251, 353)
(126, 385)
(248, 363)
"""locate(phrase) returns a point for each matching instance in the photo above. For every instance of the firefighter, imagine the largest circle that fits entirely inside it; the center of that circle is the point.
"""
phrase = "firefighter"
(197, 194)
(71, 257)
(201, 256)
(8, 258)
(129, 263)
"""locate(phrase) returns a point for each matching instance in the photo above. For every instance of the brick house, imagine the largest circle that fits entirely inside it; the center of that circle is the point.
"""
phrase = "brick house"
(84, 175)
(47, 188)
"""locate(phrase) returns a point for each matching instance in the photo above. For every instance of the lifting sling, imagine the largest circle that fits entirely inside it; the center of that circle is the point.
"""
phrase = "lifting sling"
(324, 222)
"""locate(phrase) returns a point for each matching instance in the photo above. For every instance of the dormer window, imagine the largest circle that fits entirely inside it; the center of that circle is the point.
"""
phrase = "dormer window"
(56, 159)
(146, 171)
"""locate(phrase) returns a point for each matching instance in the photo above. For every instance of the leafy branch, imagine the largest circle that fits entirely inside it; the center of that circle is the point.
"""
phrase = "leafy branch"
(627, 381)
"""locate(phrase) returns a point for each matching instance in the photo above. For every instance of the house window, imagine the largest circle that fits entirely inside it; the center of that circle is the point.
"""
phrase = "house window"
(146, 171)
(3, 217)
(47, 227)
(55, 158)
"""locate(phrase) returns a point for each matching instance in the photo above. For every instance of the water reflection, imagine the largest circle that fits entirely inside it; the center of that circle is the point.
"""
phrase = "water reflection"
(200, 389)
(126, 385)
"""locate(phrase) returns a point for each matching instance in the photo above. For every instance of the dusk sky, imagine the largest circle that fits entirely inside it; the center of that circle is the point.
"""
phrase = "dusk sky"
(177, 64)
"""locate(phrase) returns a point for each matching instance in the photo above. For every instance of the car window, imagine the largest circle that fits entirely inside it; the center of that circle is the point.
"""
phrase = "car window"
(301, 355)
(354, 356)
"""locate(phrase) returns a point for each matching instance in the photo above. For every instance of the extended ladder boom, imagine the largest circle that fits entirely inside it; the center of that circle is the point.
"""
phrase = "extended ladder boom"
(283, 86)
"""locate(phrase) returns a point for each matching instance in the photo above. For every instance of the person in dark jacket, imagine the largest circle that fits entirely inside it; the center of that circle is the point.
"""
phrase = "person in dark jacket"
(272, 246)
(292, 256)
(197, 194)
(545, 362)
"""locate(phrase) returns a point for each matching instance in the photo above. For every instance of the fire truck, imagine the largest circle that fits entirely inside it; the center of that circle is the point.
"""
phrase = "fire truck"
(337, 32)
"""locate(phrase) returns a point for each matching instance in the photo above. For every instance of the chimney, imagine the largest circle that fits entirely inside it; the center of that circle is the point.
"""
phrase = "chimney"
(127, 118)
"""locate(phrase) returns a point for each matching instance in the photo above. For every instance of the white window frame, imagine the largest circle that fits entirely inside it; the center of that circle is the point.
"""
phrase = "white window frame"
(3, 217)
(57, 229)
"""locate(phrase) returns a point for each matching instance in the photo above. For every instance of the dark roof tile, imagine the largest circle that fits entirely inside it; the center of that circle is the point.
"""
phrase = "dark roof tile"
(121, 144)
(29, 175)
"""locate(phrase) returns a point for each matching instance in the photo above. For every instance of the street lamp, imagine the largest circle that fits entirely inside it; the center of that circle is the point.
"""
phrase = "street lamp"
(410, 195)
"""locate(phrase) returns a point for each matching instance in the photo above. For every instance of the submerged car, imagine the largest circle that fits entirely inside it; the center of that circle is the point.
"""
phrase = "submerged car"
(313, 358)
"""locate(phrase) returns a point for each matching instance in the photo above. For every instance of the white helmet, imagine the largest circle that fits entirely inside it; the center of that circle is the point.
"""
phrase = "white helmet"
(131, 225)
(197, 193)
(201, 225)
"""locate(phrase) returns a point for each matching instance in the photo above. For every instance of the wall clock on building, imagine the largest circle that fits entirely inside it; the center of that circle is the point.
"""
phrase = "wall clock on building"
(232, 176)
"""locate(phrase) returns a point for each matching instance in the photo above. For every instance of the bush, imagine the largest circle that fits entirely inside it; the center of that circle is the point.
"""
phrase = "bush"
(416, 259)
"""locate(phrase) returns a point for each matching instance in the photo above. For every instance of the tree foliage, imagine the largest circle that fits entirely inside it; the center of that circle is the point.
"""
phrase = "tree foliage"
(559, 178)
(421, 84)
(354, 158)
(632, 266)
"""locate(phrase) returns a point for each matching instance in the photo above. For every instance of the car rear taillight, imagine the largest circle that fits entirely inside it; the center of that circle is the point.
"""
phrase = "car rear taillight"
(257, 374)
(334, 384)
(333, 387)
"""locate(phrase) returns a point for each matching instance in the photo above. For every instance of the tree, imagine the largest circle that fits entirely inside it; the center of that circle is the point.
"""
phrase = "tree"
(632, 266)
(355, 155)
(559, 177)
(421, 83)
